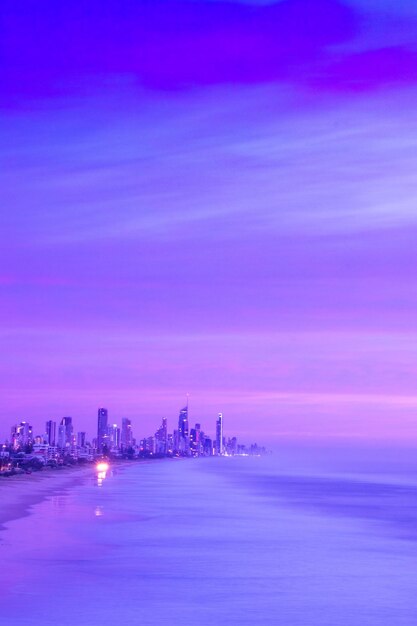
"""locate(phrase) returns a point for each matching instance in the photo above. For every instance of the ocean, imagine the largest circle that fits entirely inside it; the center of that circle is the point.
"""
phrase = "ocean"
(218, 541)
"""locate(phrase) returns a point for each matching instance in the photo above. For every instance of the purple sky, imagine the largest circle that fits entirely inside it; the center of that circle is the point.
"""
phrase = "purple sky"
(214, 198)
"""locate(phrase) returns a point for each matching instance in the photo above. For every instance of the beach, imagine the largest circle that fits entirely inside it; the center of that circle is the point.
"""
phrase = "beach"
(20, 492)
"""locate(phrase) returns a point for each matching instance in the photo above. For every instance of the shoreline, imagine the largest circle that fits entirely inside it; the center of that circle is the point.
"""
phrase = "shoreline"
(19, 493)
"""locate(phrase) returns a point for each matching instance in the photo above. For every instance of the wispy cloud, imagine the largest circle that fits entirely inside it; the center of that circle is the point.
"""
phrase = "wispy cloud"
(343, 168)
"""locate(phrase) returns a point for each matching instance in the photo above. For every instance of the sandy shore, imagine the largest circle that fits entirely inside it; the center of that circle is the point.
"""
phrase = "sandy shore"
(19, 493)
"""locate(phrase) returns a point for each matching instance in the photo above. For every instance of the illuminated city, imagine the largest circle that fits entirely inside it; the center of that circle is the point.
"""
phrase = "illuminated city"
(61, 444)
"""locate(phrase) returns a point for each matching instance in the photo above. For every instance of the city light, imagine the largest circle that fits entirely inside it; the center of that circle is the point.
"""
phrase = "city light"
(59, 445)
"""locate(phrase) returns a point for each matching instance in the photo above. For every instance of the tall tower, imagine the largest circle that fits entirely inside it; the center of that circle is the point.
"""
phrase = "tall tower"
(66, 422)
(161, 438)
(126, 434)
(113, 436)
(195, 440)
(50, 430)
(102, 428)
(219, 434)
(62, 437)
(183, 422)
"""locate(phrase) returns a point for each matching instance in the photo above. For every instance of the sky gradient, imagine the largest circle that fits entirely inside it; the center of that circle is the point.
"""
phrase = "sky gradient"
(214, 198)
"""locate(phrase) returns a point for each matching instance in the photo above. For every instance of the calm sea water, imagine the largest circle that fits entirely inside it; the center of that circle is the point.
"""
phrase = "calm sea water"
(217, 541)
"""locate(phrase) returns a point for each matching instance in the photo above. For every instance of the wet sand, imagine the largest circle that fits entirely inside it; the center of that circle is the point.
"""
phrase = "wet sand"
(20, 492)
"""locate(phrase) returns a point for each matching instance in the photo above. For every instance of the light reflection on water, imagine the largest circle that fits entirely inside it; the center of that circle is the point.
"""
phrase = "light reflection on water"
(59, 502)
(101, 476)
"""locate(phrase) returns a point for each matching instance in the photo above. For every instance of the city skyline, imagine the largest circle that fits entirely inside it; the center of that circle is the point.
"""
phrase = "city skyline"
(61, 443)
(101, 415)
(61, 431)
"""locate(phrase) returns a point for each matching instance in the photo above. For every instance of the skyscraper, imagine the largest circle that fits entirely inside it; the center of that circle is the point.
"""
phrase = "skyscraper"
(195, 436)
(126, 434)
(161, 438)
(113, 433)
(219, 434)
(183, 422)
(102, 435)
(183, 432)
(208, 446)
(62, 436)
(22, 435)
(176, 441)
(50, 430)
(66, 422)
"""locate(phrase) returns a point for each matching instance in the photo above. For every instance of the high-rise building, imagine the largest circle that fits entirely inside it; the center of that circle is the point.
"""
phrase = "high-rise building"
(127, 433)
(147, 446)
(183, 432)
(81, 439)
(219, 434)
(22, 435)
(66, 422)
(62, 437)
(195, 440)
(113, 433)
(183, 422)
(208, 446)
(161, 438)
(170, 444)
(102, 435)
(176, 441)
(232, 446)
(50, 432)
